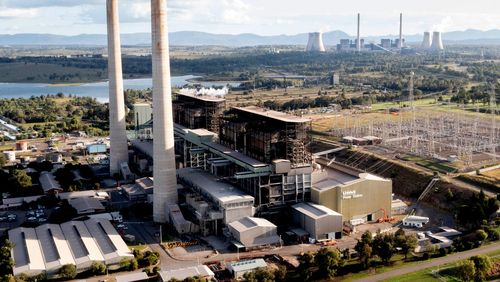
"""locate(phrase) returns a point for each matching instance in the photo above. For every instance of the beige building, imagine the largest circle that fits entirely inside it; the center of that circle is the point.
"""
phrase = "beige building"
(357, 195)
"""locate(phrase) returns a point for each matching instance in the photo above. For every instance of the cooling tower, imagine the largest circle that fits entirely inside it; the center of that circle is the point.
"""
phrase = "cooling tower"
(118, 146)
(437, 43)
(426, 43)
(315, 42)
(165, 179)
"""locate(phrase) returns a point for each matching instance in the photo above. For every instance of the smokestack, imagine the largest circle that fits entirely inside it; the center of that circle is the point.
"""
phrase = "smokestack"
(400, 44)
(165, 182)
(315, 43)
(437, 43)
(358, 39)
(118, 137)
(426, 43)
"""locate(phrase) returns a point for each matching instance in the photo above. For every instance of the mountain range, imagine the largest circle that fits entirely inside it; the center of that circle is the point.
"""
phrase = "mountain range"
(196, 38)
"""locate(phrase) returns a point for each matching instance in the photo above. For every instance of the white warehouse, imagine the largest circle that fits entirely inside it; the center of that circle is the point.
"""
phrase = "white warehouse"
(254, 232)
(50, 246)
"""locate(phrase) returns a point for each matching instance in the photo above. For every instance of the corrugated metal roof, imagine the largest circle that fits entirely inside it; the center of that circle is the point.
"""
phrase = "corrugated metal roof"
(314, 210)
(246, 265)
(183, 273)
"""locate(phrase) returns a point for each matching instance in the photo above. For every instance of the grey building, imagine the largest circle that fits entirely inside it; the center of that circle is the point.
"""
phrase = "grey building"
(254, 232)
(319, 221)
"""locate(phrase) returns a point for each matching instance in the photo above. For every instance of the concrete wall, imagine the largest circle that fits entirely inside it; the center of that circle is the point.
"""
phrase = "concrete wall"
(375, 195)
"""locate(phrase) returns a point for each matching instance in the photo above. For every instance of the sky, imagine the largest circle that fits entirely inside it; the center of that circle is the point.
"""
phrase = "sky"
(264, 17)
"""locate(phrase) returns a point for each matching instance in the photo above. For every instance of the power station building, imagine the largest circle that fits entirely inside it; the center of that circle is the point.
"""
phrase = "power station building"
(357, 195)
(198, 111)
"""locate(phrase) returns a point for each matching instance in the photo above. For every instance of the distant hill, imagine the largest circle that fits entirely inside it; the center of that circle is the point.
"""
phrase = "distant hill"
(195, 38)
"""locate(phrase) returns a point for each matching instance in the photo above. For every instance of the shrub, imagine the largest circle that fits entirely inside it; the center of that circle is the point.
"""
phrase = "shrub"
(68, 271)
(98, 268)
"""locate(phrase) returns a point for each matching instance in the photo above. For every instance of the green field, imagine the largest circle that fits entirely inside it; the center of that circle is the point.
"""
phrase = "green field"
(48, 73)
(426, 274)
(430, 164)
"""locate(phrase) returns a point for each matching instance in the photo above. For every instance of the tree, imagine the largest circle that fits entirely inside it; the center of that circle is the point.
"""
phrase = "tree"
(383, 246)
(262, 274)
(68, 271)
(328, 261)
(21, 179)
(481, 235)
(364, 248)
(280, 273)
(407, 243)
(483, 265)
(98, 268)
(6, 261)
(465, 270)
(306, 262)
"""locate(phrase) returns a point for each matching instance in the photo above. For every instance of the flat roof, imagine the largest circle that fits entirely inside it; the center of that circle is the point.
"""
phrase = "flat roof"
(208, 184)
(132, 277)
(314, 211)
(237, 155)
(183, 273)
(248, 223)
(272, 114)
(206, 98)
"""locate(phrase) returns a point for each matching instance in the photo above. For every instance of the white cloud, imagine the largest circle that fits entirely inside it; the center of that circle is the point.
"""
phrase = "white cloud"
(17, 13)
(47, 3)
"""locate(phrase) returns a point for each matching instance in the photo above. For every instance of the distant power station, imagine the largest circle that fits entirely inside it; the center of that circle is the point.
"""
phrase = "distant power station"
(432, 44)
(315, 42)
(386, 44)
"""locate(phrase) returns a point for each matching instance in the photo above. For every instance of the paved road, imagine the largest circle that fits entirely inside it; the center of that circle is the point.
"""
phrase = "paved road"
(432, 263)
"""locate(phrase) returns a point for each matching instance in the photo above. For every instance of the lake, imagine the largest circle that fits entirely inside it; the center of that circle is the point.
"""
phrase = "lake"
(98, 90)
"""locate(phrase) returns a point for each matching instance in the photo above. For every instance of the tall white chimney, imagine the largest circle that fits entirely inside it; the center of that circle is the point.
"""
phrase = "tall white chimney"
(118, 136)
(426, 43)
(165, 182)
(315, 43)
(358, 38)
(400, 44)
(437, 43)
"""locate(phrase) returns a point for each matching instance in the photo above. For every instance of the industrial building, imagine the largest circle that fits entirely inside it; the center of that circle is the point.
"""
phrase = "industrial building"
(87, 205)
(213, 201)
(239, 268)
(49, 183)
(48, 247)
(200, 111)
(182, 273)
(254, 232)
(317, 220)
(355, 194)
(140, 191)
(266, 135)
